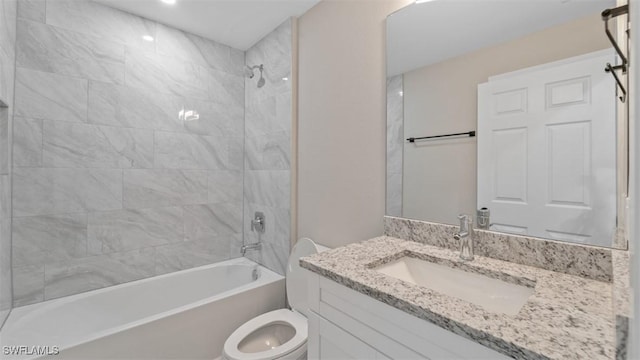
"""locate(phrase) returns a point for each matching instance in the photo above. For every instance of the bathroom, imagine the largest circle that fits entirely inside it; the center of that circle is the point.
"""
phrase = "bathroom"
(165, 163)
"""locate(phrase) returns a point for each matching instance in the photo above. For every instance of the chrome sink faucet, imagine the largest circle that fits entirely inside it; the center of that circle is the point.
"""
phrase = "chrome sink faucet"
(465, 235)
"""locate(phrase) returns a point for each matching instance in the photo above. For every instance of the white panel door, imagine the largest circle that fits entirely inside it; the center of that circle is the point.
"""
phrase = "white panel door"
(547, 151)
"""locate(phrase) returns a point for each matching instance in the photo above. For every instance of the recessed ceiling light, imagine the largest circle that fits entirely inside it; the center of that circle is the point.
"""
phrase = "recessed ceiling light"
(169, 2)
(285, 78)
(147, 37)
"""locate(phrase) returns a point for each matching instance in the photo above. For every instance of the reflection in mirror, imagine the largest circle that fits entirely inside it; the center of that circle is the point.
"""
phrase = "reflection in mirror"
(539, 131)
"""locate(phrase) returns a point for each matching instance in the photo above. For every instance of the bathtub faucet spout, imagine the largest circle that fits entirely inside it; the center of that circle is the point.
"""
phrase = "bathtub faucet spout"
(244, 248)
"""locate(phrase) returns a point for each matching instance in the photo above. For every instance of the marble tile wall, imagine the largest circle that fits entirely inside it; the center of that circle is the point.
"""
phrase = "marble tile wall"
(395, 144)
(267, 161)
(8, 19)
(110, 185)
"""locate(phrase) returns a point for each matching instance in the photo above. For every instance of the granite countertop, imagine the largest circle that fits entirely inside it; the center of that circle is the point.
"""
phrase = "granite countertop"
(567, 317)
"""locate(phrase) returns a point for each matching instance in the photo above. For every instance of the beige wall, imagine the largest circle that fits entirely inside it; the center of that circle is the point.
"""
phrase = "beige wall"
(341, 130)
(439, 178)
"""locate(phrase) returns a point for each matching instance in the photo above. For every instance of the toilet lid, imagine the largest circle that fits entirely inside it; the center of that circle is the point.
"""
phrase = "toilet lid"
(296, 277)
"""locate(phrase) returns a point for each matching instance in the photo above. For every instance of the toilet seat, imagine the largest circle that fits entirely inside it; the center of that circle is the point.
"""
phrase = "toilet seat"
(264, 330)
(297, 321)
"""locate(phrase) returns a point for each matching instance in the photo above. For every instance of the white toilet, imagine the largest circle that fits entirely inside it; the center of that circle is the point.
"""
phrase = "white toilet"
(279, 334)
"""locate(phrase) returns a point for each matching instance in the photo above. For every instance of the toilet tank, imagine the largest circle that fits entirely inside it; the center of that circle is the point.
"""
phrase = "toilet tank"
(297, 277)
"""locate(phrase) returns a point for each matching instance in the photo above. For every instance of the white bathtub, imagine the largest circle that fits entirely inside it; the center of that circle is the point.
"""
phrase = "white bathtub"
(182, 315)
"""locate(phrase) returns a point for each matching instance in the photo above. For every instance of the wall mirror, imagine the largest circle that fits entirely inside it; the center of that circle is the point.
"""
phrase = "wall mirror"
(505, 106)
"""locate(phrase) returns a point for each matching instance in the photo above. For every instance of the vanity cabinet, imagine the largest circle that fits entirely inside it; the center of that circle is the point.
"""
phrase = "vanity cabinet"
(345, 324)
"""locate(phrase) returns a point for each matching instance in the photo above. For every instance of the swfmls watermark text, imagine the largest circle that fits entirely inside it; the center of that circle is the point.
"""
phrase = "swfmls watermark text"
(18, 350)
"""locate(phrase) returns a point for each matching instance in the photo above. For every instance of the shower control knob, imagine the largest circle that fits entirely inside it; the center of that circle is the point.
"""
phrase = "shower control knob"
(258, 224)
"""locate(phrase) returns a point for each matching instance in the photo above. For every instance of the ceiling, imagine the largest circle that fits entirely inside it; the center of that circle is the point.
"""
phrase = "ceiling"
(237, 23)
(430, 32)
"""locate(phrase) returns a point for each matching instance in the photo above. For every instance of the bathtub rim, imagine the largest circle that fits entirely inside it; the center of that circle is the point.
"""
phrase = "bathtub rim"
(267, 276)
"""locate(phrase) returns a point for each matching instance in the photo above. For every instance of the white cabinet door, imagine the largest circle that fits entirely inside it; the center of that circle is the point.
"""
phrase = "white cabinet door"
(329, 342)
(547, 151)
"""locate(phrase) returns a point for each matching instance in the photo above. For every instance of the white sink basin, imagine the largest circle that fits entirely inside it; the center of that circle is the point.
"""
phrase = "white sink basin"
(492, 294)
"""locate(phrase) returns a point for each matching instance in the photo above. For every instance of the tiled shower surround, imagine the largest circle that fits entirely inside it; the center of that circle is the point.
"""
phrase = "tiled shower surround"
(268, 148)
(7, 70)
(110, 185)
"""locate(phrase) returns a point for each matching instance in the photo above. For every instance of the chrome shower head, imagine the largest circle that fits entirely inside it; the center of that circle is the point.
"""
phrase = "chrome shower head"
(250, 73)
(261, 81)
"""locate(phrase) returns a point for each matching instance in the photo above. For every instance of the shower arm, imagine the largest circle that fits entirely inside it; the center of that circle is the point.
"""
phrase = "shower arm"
(255, 67)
